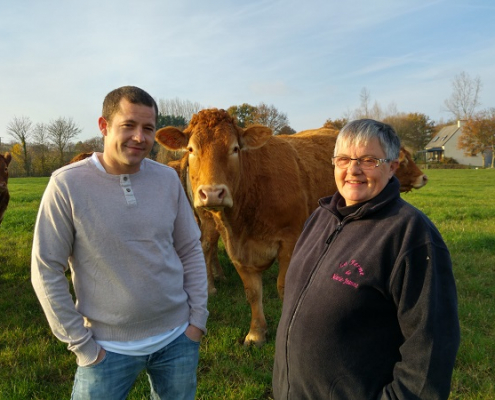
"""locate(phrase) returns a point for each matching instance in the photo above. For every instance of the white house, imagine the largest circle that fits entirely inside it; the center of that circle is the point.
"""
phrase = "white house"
(444, 145)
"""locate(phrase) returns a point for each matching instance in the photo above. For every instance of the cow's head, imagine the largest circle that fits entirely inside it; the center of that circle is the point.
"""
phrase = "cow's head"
(215, 145)
(408, 173)
(4, 170)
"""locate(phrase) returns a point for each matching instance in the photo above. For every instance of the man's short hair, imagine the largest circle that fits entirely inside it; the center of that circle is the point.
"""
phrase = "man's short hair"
(132, 94)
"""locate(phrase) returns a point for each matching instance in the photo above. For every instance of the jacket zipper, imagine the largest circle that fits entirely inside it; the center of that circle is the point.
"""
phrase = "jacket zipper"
(328, 242)
(333, 235)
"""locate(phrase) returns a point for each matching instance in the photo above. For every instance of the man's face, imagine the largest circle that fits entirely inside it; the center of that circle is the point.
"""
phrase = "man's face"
(357, 185)
(129, 137)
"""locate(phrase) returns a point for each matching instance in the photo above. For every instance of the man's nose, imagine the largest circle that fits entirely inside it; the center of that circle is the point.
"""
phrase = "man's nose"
(138, 135)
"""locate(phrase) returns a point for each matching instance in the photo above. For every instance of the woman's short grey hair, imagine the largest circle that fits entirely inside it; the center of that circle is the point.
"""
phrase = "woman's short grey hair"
(359, 132)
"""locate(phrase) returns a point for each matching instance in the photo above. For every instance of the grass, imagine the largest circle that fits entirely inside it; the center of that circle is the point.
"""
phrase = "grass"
(34, 365)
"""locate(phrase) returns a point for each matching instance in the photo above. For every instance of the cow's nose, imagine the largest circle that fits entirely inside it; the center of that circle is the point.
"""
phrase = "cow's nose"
(213, 196)
(425, 179)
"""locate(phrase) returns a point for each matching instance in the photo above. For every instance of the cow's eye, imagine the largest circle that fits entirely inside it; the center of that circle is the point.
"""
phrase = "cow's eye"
(190, 149)
(236, 149)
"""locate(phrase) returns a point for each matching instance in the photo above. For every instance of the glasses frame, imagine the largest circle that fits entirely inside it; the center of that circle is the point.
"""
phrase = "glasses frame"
(379, 161)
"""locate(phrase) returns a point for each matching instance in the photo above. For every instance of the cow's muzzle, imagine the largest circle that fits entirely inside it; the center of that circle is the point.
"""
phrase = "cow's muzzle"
(213, 196)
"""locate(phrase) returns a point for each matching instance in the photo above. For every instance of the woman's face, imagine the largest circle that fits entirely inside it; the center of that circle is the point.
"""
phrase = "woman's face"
(357, 185)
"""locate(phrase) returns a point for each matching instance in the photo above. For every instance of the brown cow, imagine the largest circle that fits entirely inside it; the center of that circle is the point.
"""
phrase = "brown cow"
(4, 179)
(408, 173)
(258, 188)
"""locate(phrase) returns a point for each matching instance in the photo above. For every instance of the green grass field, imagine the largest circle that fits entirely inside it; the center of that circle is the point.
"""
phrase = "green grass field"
(34, 365)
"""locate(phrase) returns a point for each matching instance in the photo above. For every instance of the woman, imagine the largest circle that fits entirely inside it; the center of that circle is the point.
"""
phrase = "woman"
(370, 307)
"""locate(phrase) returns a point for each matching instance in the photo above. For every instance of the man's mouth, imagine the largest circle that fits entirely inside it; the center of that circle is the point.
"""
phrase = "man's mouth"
(135, 148)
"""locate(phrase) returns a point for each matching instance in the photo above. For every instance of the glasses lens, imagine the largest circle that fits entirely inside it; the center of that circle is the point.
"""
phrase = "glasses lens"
(342, 162)
(367, 163)
(364, 163)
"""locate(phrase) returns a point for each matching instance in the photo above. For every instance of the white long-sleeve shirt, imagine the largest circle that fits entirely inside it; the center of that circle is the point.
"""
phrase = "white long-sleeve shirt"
(133, 248)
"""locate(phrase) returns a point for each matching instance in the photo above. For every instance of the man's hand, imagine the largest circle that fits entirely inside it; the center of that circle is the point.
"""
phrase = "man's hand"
(194, 333)
(101, 356)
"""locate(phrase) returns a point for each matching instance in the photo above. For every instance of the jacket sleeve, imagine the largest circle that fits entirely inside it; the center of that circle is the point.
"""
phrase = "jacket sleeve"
(424, 291)
(52, 247)
(188, 247)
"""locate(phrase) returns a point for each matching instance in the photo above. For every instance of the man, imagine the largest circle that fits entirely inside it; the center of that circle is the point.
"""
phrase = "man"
(370, 306)
(124, 227)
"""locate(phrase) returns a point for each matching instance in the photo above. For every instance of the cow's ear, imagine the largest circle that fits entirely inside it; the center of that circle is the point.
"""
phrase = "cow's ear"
(8, 158)
(172, 138)
(255, 136)
(402, 157)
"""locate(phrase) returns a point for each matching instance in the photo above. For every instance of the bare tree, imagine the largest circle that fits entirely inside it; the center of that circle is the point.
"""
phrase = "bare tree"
(40, 134)
(392, 109)
(96, 143)
(263, 114)
(40, 149)
(376, 112)
(271, 117)
(178, 108)
(366, 110)
(60, 132)
(365, 97)
(20, 129)
(347, 115)
(464, 99)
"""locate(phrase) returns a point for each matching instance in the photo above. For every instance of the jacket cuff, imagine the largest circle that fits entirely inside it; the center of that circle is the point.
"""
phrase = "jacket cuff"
(199, 321)
(87, 353)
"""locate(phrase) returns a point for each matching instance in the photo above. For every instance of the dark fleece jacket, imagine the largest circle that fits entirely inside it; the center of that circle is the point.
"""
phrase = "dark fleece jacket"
(370, 307)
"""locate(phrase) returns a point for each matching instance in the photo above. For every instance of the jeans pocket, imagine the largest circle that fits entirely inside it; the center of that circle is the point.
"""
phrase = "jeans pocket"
(99, 363)
(191, 340)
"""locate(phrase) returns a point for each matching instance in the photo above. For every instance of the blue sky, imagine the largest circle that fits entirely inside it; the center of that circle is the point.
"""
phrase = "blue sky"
(310, 59)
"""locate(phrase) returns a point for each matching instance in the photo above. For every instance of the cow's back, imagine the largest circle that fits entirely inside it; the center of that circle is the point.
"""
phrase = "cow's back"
(314, 156)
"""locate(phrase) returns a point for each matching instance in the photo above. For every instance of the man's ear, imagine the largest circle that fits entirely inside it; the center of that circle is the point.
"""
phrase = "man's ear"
(103, 125)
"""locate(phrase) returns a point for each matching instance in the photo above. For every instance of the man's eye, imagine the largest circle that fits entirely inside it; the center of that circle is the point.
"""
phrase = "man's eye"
(344, 159)
(368, 160)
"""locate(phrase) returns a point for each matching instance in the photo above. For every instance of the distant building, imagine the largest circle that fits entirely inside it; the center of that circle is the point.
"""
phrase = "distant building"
(444, 145)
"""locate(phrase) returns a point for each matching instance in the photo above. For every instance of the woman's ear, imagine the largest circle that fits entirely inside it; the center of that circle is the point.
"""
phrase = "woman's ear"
(394, 165)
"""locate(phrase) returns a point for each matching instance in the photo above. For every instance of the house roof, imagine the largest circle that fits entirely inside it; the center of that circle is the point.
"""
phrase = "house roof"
(442, 137)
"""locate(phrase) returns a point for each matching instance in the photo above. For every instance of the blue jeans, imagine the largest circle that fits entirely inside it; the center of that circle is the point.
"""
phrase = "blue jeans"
(171, 371)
